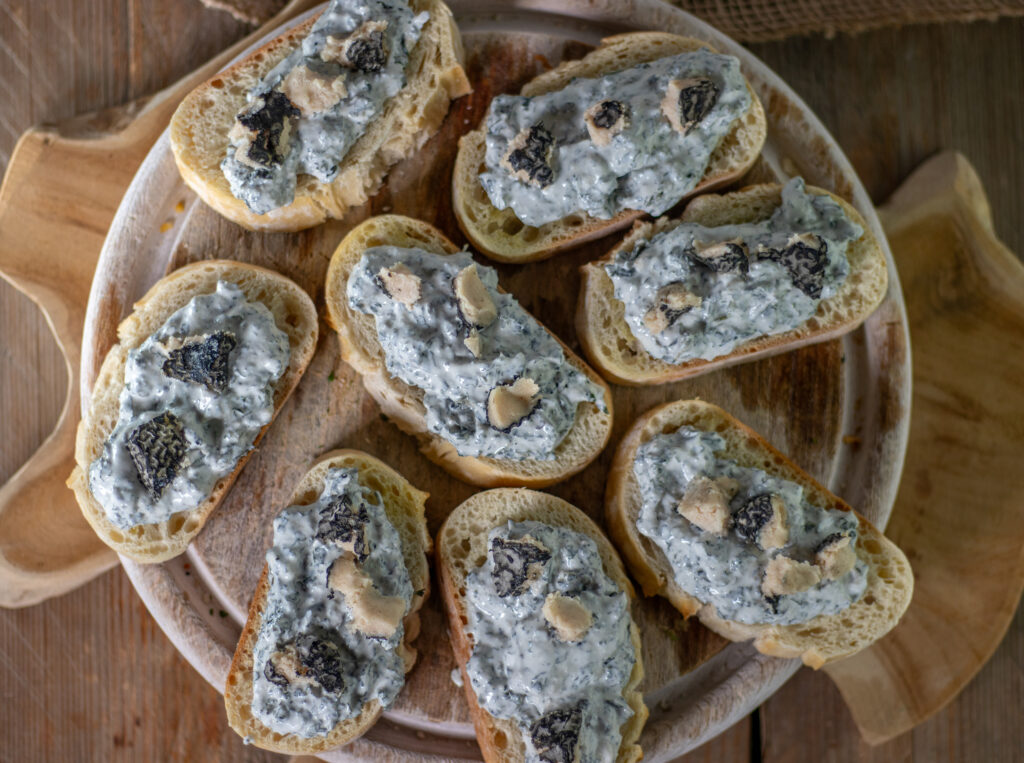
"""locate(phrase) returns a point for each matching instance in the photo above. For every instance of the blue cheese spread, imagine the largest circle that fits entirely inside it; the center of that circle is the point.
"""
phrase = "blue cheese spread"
(693, 292)
(638, 139)
(495, 382)
(196, 394)
(330, 638)
(551, 642)
(308, 111)
(741, 539)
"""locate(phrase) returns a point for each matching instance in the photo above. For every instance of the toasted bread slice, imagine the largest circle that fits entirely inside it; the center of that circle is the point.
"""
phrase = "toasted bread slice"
(199, 128)
(610, 345)
(405, 506)
(403, 403)
(502, 236)
(294, 314)
(823, 639)
(462, 547)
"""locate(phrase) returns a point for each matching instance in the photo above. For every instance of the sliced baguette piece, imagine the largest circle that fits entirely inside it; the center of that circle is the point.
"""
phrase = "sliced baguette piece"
(462, 548)
(502, 236)
(403, 404)
(405, 507)
(199, 128)
(823, 639)
(294, 314)
(610, 345)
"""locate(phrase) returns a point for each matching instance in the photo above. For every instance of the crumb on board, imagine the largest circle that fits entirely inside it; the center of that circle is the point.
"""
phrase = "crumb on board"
(166, 226)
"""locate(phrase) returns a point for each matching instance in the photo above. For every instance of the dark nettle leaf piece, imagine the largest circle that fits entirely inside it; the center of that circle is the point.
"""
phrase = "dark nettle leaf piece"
(266, 118)
(608, 113)
(670, 303)
(556, 735)
(721, 257)
(511, 564)
(367, 53)
(203, 361)
(532, 157)
(321, 655)
(828, 540)
(752, 516)
(804, 259)
(273, 675)
(157, 448)
(696, 98)
(342, 524)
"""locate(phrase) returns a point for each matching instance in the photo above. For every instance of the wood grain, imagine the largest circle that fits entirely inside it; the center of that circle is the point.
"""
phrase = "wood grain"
(122, 669)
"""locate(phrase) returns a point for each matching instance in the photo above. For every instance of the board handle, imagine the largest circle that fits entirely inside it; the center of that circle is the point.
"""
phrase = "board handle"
(60, 192)
(958, 514)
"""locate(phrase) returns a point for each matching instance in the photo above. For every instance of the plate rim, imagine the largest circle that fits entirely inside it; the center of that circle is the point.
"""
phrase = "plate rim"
(193, 636)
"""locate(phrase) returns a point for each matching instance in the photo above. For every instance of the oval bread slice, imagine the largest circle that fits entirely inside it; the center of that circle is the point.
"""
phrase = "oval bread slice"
(404, 505)
(610, 345)
(502, 236)
(823, 639)
(403, 404)
(462, 547)
(200, 125)
(294, 314)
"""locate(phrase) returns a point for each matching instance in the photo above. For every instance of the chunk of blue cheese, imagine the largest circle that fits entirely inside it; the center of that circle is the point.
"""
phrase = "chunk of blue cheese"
(373, 613)
(706, 503)
(567, 615)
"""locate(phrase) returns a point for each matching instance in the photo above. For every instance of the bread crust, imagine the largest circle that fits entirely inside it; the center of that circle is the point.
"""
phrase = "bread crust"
(402, 403)
(294, 313)
(610, 345)
(409, 517)
(200, 125)
(817, 642)
(461, 546)
(501, 236)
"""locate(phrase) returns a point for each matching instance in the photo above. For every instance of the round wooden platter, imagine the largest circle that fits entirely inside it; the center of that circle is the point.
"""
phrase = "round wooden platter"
(840, 408)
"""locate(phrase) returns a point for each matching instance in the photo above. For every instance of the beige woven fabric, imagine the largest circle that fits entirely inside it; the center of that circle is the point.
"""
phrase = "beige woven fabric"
(759, 20)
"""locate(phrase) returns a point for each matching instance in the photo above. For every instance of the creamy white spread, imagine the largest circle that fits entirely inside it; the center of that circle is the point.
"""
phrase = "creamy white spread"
(308, 111)
(772, 282)
(728, 570)
(430, 343)
(647, 164)
(196, 394)
(565, 696)
(312, 666)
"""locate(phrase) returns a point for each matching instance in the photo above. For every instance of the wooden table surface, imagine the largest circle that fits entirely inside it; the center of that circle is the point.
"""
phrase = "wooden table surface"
(89, 676)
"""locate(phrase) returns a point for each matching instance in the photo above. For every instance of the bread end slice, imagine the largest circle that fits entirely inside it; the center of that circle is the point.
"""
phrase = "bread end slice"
(294, 314)
(200, 125)
(502, 236)
(462, 547)
(825, 638)
(405, 509)
(610, 345)
(403, 404)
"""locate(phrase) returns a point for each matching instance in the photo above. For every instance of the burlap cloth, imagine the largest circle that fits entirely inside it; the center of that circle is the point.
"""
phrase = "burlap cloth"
(759, 20)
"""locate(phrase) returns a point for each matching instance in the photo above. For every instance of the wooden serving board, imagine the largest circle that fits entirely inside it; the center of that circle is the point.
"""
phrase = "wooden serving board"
(959, 514)
(840, 409)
